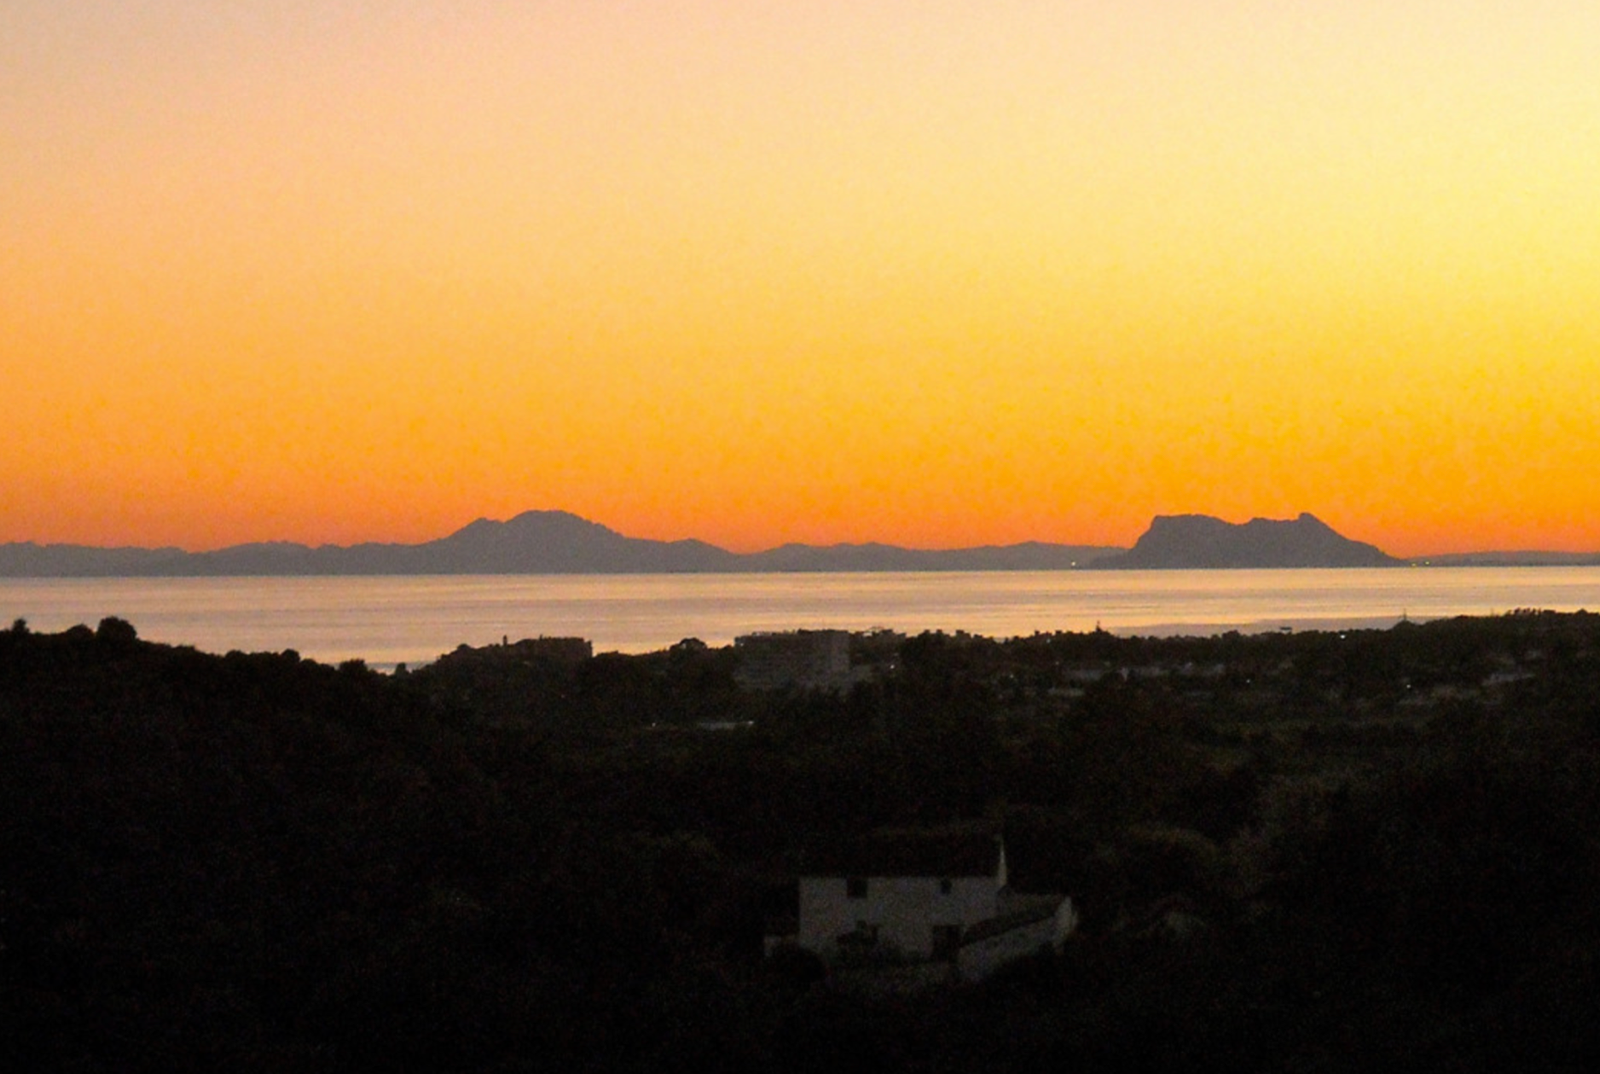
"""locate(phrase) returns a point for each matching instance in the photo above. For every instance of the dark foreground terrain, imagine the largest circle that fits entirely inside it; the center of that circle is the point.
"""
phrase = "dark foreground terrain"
(1291, 853)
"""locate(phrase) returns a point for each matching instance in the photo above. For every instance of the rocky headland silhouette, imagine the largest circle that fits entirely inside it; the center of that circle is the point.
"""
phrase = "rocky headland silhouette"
(1200, 542)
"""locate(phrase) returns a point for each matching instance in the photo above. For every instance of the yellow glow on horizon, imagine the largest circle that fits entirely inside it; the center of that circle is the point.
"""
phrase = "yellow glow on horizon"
(938, 274)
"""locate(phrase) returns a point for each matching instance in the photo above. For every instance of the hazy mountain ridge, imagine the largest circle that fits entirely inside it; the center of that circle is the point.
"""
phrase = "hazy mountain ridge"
(1510, 559)
(1028, 556)
(27, 559)
(534, 542)
(558, 542)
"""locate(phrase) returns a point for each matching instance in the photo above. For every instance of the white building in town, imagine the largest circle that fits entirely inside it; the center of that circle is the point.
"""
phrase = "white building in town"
(813, 659)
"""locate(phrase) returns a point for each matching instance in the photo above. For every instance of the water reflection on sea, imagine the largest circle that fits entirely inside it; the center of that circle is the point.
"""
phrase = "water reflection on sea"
(387, 620)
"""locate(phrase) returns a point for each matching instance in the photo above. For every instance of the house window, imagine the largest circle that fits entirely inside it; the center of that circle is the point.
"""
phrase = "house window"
(945, 886)
(864, 935)
(855, 887)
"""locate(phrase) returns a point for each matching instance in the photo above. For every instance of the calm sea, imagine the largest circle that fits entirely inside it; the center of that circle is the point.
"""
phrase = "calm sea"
(386, 621)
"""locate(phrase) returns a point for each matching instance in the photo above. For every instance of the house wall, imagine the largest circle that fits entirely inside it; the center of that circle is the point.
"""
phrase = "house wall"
(904, 910)
(980, 958)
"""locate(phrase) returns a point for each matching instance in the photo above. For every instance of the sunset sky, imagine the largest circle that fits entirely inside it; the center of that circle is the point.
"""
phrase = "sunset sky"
(939, 273)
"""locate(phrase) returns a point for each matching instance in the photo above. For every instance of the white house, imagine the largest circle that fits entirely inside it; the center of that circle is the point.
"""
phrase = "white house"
(925, 896)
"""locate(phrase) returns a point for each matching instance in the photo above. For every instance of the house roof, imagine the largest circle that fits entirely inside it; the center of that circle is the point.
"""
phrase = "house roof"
(1026, 910)
(965, 851)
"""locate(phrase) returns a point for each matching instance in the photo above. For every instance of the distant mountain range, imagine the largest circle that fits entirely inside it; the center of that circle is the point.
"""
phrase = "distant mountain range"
(556, 542)
(536, 542)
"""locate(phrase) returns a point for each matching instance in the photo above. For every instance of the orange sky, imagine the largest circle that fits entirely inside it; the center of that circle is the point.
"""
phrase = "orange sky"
(937, 273)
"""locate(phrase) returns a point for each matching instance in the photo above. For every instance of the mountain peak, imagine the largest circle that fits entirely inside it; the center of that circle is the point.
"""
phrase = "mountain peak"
(531, 522)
